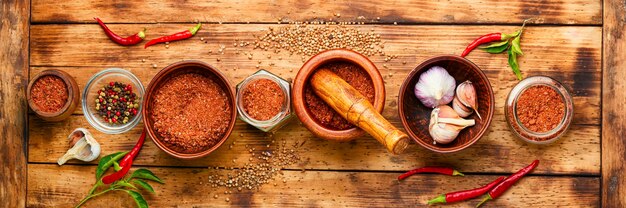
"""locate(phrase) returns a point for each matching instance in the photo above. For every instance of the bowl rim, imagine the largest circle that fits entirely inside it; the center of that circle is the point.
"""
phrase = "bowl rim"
(70, 85)
(313, 64)
(92, 81)
(159, 77)
(404, 87)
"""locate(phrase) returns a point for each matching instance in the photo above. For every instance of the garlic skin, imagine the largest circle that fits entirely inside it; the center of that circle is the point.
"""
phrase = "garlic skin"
(466, 93)
(445, 124)
(461, 109)
(435, 87)
(84, 147)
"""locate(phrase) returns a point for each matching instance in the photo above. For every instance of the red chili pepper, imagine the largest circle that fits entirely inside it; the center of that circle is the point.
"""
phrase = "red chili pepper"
(176, 36)
(127, 41)
(466, 194)
(441, 170)
(126, 162)
(481, 40)
(506, 184)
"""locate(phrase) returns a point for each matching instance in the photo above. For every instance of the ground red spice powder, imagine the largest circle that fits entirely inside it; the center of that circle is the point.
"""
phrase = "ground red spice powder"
(540, 108)
(191, 113)
(49, 93)
(354, 75)
(263, 99)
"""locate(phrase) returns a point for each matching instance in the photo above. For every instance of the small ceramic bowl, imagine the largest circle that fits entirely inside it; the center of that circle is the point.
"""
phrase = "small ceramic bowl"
(299, 83)
(90, 94)
(416, 117)
(72, 99)
(173, 70)
(510, 111)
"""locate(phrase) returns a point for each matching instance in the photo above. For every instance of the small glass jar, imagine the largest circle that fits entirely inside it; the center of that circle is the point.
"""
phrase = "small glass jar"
(278, 120)
(510, 111)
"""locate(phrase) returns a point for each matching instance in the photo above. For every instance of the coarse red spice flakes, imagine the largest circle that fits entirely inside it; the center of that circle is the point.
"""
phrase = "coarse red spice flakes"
(354, 75)
(263, 99)
(191, 113)
(49, 93)
(540, 108)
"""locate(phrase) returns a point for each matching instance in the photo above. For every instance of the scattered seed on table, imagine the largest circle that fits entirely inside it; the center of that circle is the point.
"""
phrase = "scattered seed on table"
(154, 66)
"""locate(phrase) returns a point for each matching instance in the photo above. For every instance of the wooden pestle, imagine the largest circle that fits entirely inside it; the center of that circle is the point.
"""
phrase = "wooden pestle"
(355, 108)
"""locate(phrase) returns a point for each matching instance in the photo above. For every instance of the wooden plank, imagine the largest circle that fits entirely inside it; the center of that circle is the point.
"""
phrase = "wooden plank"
(14, 30)
(497, 152)
(189, 187)
(575, 59)
(405, 11)
(614, 97)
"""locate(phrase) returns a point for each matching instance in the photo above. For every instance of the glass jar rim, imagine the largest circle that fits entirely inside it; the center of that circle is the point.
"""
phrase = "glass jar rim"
(276, 118)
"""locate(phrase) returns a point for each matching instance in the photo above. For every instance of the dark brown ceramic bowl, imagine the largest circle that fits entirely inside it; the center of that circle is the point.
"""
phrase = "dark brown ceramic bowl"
(175, 69)
(72, 99)
(299, 83)
(415, 116)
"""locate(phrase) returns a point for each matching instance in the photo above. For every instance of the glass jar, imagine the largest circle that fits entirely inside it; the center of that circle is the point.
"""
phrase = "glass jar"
(278, 120)
(521, 131)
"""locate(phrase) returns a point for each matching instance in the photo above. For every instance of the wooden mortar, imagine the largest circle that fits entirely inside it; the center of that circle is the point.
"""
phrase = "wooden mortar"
(355, 108)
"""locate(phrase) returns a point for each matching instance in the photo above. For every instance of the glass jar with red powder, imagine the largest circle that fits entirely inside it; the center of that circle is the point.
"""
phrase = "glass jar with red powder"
(539, 110)
(264, 101)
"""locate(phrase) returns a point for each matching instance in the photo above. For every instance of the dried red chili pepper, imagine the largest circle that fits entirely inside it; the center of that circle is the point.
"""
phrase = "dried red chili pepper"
(126, 162)
(176, 36)
(506, 184)
(466, 194)
(441, 170)
(484, 39)
(127, 41)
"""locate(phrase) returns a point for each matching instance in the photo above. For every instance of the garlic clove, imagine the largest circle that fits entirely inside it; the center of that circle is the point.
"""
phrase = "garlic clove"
(466, 94)
(461, 109)
(435, 87)
(84, 147)
(445, 124)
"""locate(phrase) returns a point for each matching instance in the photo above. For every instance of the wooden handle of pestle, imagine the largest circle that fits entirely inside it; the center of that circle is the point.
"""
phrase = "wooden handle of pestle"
(355, 108)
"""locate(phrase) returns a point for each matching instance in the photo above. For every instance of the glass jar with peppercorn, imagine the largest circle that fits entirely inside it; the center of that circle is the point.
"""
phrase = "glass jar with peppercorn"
(112, 101)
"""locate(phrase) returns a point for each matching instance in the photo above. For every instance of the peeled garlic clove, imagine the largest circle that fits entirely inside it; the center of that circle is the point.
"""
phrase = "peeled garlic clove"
(461, 109)
(466, 94)
(84, 147)
(445, 124)
(435, 87)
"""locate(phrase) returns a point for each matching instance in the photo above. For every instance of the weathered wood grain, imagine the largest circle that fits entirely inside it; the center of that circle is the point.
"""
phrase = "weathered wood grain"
(14, 27)
(498, 151)
(53, 186)
(614, 98)
(406, 11)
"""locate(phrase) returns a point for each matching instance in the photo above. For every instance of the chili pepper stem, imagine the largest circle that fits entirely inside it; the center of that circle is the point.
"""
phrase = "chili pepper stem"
(457, 173)
(195, 29)
(438, 199)
(485, 199)
(95, 186)
(142, 34)
(91, 195)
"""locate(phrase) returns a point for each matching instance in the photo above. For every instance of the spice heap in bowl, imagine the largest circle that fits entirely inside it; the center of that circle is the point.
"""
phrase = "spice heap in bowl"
(112, 101)
(53, 95)
(189, 109)
(446, 104)
(264, 101)
(539, 110)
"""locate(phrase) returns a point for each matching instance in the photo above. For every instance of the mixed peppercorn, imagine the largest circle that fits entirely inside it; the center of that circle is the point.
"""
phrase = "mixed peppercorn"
(117, 103)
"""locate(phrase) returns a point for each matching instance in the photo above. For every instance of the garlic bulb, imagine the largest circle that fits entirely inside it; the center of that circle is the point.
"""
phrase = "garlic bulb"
(84, 147)
(445, 124)
(466, 93)
(461, 109)
(435, 87)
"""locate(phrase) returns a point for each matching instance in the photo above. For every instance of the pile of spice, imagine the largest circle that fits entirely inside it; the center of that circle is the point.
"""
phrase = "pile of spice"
(191, 113)
(117, 103)
(263, 99)
(322, 112)
(253, 175)
(540, 108)
(49, 93)
(306, 40)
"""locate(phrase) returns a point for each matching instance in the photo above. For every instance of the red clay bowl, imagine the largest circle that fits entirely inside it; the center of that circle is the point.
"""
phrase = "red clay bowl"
(178, 68)
(299, 83)
(415, 116)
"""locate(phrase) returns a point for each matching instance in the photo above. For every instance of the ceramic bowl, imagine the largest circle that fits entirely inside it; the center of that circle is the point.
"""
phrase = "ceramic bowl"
(415, 116)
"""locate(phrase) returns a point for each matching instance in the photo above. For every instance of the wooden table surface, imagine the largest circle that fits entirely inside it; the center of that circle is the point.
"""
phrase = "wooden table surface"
(580, 43)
